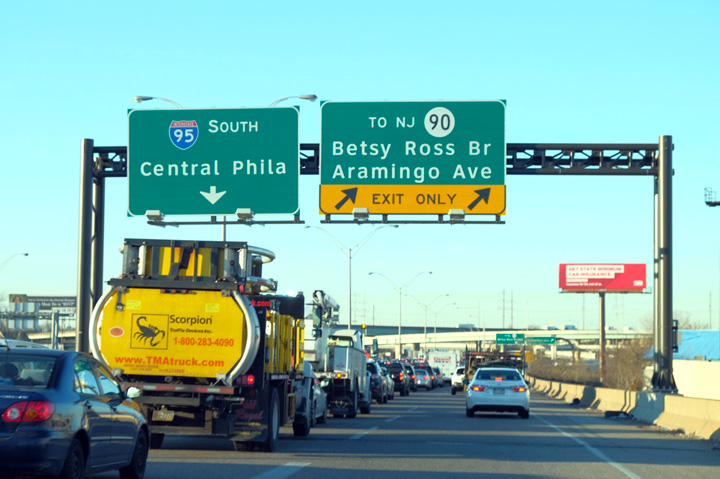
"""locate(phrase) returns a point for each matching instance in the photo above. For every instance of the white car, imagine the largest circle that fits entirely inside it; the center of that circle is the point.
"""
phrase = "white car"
(498, 389)
(319, 404)
(457, 379)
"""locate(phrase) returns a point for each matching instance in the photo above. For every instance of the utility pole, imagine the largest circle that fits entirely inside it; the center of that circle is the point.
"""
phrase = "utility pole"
(512, 309)
(503, 309)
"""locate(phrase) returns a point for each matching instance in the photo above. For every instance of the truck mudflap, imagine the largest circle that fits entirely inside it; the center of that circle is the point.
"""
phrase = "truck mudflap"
(257, 421)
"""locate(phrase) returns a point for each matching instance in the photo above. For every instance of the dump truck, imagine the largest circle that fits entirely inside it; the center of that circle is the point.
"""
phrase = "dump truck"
(338, 359)
(202, 333)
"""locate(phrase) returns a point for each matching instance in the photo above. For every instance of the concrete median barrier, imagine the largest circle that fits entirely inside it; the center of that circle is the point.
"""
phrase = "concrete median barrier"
(693, 416)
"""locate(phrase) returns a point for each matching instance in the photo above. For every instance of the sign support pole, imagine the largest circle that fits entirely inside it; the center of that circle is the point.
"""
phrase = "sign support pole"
(84, 300)
(601, 351)
(663, 380)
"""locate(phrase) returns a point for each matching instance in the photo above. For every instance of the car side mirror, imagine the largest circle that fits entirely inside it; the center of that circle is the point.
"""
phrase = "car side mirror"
(133, 392)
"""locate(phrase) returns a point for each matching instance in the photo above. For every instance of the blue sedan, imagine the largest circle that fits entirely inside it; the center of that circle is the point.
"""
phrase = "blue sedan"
(63, 414)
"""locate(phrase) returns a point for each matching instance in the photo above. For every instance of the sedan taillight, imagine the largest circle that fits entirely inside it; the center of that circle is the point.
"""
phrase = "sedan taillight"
(478, 388)
(29, 411)
(519, 389)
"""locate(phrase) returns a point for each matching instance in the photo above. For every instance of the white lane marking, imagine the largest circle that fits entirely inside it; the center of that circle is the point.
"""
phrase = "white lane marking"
(358, 436)
(392, 418)
(282, 472)
(597, 452)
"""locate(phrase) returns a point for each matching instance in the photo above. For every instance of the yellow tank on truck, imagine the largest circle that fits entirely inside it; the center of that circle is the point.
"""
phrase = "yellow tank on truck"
(155, 332)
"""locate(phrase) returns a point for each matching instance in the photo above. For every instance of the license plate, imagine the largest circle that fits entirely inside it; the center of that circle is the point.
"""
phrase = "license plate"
(498, 391)
(163, 415)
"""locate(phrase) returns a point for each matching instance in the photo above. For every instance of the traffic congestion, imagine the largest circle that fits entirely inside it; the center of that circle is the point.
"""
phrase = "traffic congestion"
(39, 386)
(192, 341)
(226, 359)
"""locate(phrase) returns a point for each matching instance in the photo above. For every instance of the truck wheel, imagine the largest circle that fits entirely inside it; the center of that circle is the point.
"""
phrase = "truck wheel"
(301, 427)
(366, 409)
(156, 441)
(270, 443)
(352, 408)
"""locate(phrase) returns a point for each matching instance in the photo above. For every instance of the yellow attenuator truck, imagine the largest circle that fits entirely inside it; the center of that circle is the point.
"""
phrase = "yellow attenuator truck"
(197, 328)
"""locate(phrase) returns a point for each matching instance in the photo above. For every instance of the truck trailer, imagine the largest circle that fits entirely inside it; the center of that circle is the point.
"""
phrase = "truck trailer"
(202, 333)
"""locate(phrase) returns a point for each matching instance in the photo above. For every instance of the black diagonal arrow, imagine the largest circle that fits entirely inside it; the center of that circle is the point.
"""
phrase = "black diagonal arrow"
(350, 194)
(483, 194)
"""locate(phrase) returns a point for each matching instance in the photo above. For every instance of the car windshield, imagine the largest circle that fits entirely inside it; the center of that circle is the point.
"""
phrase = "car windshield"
(26, 370)
(497, 375)
(342, 342)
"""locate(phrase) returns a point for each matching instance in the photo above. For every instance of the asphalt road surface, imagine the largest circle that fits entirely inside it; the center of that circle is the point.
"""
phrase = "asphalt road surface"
(427, 435)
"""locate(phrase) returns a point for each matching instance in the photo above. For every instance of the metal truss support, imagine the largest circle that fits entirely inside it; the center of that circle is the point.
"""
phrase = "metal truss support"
(589, 159)
(96, 164)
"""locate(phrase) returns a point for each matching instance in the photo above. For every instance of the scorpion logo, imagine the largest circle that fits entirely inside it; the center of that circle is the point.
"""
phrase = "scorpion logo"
(148, 332)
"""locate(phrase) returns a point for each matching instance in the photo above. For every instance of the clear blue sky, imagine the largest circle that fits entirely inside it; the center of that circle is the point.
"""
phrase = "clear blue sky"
(609, 72)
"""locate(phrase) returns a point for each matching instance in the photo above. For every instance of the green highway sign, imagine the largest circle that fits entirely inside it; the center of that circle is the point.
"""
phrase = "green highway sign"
(422, 157)
(541, 340)
(509, 338)
(214, 161)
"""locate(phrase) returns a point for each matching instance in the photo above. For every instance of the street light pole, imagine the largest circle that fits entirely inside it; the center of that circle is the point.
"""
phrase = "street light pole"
(347, 251)
(140, 99)
(427, 307)
(400, 290)
(5, 263)
(302, 97)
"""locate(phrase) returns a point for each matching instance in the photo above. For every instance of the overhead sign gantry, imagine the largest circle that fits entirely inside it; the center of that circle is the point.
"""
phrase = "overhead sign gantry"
(423, 157)
(637, 159)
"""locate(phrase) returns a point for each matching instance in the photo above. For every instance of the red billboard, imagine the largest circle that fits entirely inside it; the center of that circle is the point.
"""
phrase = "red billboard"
(603, 277)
